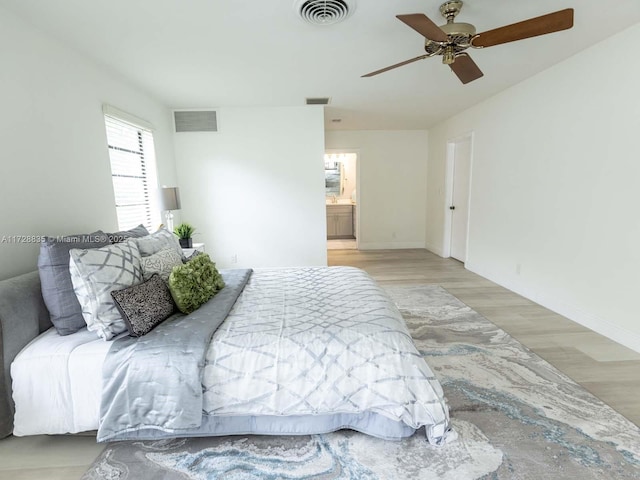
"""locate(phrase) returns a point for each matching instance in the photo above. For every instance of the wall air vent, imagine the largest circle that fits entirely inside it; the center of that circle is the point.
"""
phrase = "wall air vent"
(196, 121)
(324, 12)
(318, 100)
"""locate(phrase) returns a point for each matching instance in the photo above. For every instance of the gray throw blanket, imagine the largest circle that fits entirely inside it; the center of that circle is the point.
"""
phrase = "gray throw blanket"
(172, 355)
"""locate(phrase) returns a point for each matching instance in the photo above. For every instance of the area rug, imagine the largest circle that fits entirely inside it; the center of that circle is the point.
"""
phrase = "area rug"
(516, 416)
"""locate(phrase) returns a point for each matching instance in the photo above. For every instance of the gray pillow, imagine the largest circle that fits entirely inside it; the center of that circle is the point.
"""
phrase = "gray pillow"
(145, 305)
(97, 272)
(158, 241)
(55, 280)
(137, 232)
(192, 256)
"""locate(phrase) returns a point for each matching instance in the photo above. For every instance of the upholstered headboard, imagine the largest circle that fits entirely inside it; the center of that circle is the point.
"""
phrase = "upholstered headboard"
(23, 316)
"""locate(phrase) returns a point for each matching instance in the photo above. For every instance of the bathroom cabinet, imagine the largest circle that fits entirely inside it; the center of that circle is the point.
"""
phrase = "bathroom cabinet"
(340, 221)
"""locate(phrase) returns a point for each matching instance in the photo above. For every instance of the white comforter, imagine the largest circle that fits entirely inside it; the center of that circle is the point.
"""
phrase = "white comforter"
(57, 383)
(320, 341)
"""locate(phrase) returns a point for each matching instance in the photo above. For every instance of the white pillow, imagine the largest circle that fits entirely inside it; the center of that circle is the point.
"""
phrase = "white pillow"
(158, 241)
(161, 263)
(94, 274)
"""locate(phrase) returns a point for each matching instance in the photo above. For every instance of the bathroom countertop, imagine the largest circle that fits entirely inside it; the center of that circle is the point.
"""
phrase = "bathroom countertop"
(340, 202)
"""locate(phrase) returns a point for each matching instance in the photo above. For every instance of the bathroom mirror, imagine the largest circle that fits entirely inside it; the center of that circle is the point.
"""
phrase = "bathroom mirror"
(333, 179)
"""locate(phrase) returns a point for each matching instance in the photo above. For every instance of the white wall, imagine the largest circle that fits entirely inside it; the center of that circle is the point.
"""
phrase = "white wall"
(255, 189)
(392, 166)
(555, 187)
(55, 176)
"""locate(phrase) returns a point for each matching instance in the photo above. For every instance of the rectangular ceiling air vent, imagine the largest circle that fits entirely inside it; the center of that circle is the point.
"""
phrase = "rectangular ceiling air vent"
(196, 121)
(318, 101)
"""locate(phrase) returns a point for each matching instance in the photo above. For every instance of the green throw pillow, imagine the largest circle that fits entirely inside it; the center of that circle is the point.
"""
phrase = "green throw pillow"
(194, 283)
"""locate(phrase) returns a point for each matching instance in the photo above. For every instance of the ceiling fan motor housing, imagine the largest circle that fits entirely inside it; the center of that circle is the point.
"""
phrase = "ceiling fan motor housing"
(460, 34)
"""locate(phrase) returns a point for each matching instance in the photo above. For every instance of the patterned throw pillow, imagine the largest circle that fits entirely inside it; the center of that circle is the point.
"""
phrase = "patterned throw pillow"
(145, 305)
(160, 263)
(55, 279)
(158, 241)
(94, 274)
(194, 283)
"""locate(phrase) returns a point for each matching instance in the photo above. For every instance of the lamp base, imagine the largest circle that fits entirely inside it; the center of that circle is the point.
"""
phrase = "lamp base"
(169, 221)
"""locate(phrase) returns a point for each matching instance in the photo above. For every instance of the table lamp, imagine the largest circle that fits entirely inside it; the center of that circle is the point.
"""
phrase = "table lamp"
(169, 200)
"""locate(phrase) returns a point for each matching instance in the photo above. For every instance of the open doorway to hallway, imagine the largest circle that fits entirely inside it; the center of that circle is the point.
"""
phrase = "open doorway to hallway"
(341, 199)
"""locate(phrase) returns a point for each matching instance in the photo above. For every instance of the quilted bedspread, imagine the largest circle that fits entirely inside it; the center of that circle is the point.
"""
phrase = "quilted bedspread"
(302, 350)
(320, 341)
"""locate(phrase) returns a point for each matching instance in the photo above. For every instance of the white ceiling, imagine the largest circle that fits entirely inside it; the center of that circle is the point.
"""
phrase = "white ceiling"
(217, 53)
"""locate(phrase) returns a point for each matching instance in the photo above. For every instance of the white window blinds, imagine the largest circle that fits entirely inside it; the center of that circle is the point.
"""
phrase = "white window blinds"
(133, 171)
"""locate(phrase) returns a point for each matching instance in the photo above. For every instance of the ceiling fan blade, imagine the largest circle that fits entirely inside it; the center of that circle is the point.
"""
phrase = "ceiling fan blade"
(552, 22)
(406, 62)
(424, 26)
(466, 69)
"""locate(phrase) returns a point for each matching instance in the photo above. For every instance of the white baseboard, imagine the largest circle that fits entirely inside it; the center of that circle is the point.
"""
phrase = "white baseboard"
(435, 249)
(599, 325)
(389, 245)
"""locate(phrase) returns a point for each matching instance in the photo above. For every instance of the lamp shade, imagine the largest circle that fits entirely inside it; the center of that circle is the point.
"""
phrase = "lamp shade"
(170, 198)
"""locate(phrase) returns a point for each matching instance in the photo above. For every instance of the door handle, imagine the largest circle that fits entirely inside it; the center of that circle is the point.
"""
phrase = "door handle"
(452, 207)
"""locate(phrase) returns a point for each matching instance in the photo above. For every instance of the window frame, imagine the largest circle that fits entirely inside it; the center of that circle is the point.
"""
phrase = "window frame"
(120, 147)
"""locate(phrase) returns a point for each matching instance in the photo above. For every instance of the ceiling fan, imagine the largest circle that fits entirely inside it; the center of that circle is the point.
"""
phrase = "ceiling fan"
(453, 38)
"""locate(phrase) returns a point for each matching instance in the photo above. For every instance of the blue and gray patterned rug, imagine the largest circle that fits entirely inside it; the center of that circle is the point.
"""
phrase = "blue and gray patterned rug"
(516, 416)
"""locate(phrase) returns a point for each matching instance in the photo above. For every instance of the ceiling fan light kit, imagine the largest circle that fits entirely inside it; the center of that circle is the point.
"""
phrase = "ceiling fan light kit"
(452, 39)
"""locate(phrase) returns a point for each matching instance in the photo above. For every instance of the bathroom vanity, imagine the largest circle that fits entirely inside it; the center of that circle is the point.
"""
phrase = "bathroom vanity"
(340, 220)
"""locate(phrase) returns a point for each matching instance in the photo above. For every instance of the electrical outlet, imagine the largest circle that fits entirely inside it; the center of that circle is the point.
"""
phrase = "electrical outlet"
(518, 268)
(234, 258)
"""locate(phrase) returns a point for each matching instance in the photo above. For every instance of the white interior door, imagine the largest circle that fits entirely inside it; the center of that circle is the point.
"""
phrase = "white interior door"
(459, 206)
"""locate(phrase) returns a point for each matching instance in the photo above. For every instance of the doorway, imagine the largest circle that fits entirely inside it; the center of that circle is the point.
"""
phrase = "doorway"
(342, 199)
(459, 158)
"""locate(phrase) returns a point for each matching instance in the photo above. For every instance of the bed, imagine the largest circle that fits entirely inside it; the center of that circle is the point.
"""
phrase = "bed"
(294, 351)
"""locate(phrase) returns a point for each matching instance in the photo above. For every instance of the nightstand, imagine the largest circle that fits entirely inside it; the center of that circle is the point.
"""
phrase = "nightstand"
(187, 252)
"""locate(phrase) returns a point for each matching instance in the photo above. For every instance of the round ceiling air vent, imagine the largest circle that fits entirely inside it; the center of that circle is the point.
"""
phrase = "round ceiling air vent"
(324, 12)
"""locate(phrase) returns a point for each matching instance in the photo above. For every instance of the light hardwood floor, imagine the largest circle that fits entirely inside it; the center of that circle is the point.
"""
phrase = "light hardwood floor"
(608, 370)
(605, 368)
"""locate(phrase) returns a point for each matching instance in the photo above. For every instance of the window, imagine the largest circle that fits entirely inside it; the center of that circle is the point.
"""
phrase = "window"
(133, 170)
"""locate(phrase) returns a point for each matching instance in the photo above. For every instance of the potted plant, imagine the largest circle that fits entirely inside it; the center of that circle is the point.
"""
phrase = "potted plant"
(184, 231)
